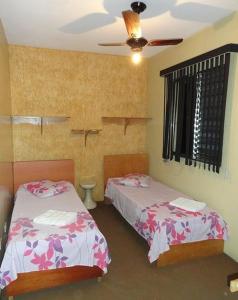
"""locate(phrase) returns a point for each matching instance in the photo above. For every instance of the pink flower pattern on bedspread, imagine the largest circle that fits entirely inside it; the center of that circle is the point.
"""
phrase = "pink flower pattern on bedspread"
(46, 188)
(162, 225)
(79, 243)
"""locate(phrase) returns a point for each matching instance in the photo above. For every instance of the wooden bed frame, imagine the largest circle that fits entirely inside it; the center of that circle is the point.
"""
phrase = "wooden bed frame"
(28, 282)
(120, 165)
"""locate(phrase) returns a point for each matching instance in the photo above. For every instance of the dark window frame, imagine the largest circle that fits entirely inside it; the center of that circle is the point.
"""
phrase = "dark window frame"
(194, 109)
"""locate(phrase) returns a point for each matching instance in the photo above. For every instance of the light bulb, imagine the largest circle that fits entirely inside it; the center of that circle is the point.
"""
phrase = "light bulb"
(136, 57)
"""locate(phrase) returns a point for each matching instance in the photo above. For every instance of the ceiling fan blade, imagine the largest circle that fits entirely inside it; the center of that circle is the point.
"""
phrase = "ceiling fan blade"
(164, 42)
(111, 44)
(132, 22)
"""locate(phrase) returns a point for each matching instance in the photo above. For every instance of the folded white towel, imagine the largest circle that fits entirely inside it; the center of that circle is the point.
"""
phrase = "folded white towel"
(56, 217)
(188, 204)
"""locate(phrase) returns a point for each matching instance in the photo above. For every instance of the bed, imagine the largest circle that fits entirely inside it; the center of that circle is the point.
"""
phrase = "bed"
(149, 212)
(41, 256)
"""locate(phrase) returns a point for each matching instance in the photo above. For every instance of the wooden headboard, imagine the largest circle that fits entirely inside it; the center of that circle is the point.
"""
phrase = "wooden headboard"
(55, 170)
(120, 165)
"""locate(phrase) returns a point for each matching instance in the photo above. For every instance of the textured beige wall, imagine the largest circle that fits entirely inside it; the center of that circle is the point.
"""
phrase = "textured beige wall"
(219, 191)
(85, 87)
(6, 151)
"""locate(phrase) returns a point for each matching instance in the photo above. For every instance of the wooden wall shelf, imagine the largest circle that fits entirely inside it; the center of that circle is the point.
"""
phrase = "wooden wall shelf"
(5, 120)
(39, 120)
(127, 120)
(85, 132)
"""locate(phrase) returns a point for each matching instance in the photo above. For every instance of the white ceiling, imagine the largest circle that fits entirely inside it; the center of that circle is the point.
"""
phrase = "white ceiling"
(80, 25)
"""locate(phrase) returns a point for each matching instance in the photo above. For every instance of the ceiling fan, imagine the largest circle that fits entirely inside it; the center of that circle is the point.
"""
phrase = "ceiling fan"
(135, 40)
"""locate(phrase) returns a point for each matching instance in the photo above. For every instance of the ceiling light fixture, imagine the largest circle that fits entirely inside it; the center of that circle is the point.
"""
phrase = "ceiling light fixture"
(136, 57)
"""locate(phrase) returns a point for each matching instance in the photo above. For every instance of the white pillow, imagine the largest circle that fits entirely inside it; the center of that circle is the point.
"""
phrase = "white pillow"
(136, 180)
(46, 188)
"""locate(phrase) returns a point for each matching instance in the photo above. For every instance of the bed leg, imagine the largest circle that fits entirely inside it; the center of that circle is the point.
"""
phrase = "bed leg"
(99, 279)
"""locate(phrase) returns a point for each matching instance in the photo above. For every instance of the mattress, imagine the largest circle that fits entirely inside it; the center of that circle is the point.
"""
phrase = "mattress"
(148, 211)
(33, 247)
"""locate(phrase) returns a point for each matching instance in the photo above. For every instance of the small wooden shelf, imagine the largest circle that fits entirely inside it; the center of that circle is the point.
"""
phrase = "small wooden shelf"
(39, 120)
(85, 132)
(127, 120)
(4, 120)
(77, 131)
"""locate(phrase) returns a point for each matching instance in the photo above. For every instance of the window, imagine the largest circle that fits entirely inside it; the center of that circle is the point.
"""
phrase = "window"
(194, 112)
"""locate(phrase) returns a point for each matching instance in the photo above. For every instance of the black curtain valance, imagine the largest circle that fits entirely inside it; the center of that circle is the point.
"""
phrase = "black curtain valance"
(228, 48)
(194, 111)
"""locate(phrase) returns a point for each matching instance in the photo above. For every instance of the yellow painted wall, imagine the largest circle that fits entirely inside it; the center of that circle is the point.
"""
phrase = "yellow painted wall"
(84, 86)
(219, 191)
(6, 148)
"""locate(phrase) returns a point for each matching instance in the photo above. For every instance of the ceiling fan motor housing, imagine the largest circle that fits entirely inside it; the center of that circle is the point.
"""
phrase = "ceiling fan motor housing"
(136, 44)
(138, 7)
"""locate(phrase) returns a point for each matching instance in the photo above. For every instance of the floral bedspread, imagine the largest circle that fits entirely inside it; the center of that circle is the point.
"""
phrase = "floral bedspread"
(163, 225)
(31, 248)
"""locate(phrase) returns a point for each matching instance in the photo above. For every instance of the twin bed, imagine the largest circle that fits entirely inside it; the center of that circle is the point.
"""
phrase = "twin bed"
(173, 234)
(39, 256)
